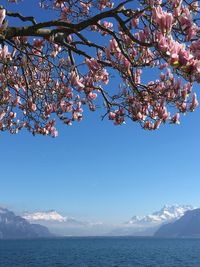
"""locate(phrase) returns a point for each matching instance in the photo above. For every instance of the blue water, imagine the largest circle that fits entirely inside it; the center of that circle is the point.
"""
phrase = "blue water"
(100, 252)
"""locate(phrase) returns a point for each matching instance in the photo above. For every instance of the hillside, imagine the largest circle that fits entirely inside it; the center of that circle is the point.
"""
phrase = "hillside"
(15, 227)
(187, 226)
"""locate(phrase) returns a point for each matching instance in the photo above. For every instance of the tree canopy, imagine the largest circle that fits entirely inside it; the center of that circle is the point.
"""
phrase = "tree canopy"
(58, 68)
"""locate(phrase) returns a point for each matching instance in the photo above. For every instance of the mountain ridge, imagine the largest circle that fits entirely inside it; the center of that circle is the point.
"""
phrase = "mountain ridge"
(61, 225)
(187, 226)
(16, 227)
(147, 225)
(167, 213)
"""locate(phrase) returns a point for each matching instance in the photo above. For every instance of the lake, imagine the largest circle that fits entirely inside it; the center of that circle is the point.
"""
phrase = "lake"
(100, 252)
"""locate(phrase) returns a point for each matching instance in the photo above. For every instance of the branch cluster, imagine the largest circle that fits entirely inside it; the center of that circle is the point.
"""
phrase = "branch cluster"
(54, 68)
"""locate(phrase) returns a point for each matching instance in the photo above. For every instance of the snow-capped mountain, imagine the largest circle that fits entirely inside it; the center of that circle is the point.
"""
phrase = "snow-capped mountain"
(15, 227)
(51, 215)
(187, 226)
(62, 225)
(147, 225)
(166, 214)
(3, 210)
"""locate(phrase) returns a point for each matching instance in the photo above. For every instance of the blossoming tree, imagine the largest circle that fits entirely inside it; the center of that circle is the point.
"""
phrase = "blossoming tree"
(57, 68)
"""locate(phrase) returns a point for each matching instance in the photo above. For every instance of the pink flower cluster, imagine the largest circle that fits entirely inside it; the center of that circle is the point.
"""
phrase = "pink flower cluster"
(150, 108)
(187, 23)
(56, 75)
(179, 57)
(163, 19)
(105, 3)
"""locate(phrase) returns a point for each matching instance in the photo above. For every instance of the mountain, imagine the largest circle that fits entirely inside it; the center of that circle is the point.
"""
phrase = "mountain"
(166, 214)
(147, 225)
(187, 226)
(51, 215)
(65, 225)
(16, 227)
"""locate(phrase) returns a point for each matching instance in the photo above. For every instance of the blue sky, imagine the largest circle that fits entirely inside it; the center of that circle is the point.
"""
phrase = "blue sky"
(95, 170)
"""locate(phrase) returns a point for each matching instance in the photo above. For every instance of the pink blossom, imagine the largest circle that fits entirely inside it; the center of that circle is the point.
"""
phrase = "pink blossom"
(76, 81)
(114, 46)
(93, 64)
(12, 115)
(4, 53)
(33, 107)
(60, 74)
(175, 118)
(54, 133)
(92, 96)
(2, 16)
(86, 7)
(175, 3)
(105, 3)
(107, 25)
(135, 22)
(163, 19)
(194, 103)
(112, 115)
(195, 6)
(195, 49)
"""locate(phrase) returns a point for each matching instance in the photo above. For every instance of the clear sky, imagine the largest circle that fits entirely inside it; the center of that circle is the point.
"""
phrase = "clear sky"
(95, 170)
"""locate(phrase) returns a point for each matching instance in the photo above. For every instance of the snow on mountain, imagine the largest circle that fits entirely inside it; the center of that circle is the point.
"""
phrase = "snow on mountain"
(149, 224)
(187, 226)
(138, 225)
(65, 225)
(51, 215)
(3, 210)
(166, 214)
(14, 227)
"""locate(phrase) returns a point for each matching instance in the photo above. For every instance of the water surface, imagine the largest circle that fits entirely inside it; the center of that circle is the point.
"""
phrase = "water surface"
(100, 252)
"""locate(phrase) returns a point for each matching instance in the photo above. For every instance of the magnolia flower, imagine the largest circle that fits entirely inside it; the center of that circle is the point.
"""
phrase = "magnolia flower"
(33, 107)
(175, 118)
(194, 103)
(86, 7)
(76, 81)
(163, 19)
(107, 25)
(105, 3)
(114, 46)
(175, 3)
(112, 115)
(12, 115)
(2, 16)
(195, 49)
(92, 96)
(195, 6)
(92, 64)
(135, 22)
(4, 53)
